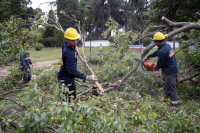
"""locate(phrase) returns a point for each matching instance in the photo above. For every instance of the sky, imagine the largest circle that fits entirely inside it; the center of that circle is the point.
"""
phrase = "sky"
(45, 8)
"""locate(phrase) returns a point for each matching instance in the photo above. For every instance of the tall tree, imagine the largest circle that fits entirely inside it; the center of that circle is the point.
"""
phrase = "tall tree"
(109, 34)
(102, 17)
(10, 8)
(49, 32)
(176, 10)
(65, 8)
(4, 9)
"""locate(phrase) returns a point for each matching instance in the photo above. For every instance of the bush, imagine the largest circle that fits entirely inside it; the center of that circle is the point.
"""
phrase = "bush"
(111, 39)
(49, 42)
(38, 46)
(146, 41)
(94, 60)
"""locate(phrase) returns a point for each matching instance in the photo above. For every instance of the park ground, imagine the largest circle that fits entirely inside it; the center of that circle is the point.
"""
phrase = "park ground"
(47, 56)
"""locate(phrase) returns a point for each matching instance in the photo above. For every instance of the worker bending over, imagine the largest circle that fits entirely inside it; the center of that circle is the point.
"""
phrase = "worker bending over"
(166, 61)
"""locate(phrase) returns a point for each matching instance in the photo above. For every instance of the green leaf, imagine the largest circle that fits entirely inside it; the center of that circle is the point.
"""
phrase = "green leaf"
(40, 99)
(35, 85)
(84, 105)
(59, 109)
(20, 94)
(36, 91)
(80, 118)
(59, 130)
(28, 96)
(96, 108)
(66, 109)
(154, 115)
(42, 73)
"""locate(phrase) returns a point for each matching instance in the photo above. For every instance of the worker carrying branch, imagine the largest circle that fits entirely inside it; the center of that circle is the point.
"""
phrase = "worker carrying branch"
(166, 61)
(68, 71)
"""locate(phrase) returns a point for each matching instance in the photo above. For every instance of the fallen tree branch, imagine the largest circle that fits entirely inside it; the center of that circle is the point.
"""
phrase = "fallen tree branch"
(10, 92)
(88, 90)
(188, 70)
(17, 102)
(190, 78)
(85, 85)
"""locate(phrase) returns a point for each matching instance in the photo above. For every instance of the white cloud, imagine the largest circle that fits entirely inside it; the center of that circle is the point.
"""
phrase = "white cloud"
(37, 3)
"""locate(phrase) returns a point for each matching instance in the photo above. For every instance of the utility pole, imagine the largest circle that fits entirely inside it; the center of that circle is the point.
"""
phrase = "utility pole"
(90, 36)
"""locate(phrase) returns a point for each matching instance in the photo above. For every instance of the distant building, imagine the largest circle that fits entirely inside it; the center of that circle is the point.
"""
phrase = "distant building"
(96, 43)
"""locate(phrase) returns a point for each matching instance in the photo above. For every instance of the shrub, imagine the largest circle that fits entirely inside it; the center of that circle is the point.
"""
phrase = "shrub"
(146, 41)
(111, 39)
(49, 42)
(38, 46)
(94, 60)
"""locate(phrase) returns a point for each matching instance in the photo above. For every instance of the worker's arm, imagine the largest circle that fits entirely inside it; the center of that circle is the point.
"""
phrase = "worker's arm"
(154, 54)
(71, 66)
(161, 60)
(22, 59)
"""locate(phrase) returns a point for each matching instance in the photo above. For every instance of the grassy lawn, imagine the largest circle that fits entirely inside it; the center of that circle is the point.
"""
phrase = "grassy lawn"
(47, 54)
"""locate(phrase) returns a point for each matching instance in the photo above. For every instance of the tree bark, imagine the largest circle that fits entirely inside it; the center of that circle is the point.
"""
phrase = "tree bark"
(96, 30)
(102, 18)
(109, 34)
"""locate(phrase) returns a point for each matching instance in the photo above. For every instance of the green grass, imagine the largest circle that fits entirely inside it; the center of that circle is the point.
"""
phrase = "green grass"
(47, 54)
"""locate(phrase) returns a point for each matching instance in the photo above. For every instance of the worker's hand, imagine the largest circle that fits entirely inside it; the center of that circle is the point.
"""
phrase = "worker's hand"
(28, 70)
(31, 65)
(145, 59)
(92, 78)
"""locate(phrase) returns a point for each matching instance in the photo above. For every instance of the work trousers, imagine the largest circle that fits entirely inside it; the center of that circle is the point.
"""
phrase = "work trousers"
(26, 76)
(170, 88)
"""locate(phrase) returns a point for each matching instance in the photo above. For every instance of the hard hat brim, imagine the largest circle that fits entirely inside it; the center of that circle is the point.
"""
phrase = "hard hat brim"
(72, 38)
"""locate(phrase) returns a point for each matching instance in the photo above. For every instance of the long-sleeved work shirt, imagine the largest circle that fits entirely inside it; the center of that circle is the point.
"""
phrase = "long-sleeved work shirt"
(166, 59)
(68, 70)
(25, 60)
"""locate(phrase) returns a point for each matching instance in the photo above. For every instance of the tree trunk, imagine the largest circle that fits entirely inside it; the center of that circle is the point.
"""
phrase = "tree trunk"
(102, 18)
(96, 29)
(109, 34)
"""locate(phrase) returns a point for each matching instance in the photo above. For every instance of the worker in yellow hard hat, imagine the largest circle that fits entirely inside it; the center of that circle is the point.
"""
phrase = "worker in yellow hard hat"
(68, 71)
(167, 62)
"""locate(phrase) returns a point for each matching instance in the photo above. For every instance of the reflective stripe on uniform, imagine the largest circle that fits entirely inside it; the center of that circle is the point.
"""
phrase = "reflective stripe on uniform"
(25, 83)
(171, 54)
(174, 102)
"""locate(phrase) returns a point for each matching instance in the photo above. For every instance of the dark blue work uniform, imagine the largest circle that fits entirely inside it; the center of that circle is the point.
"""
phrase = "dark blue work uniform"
(68, 70)
(25, 62)
(167, 61)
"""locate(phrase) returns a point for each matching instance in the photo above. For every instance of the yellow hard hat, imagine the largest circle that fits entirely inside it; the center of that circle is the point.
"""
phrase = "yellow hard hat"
(158, 36)
(71, 34)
